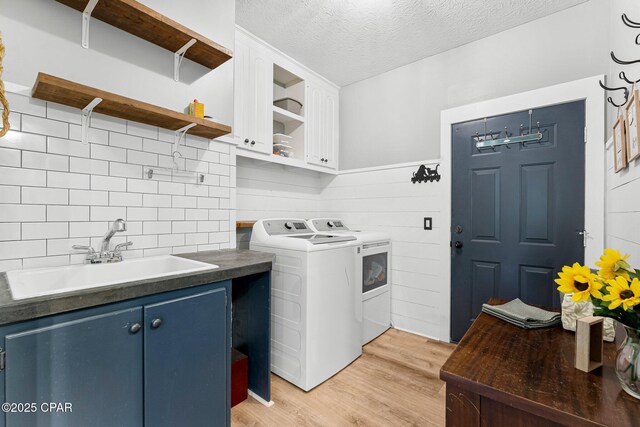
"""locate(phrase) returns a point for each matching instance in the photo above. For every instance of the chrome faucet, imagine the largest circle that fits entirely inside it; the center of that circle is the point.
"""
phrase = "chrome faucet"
(105, 255)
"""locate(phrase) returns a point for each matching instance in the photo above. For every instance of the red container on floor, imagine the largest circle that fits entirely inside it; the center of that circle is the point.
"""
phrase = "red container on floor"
(239, 377)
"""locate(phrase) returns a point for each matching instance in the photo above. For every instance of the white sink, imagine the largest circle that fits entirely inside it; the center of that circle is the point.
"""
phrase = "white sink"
(48, 281)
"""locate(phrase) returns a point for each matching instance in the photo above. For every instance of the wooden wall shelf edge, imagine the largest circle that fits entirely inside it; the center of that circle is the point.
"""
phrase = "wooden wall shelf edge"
(61, 91)
(144, 22)
(244, 224)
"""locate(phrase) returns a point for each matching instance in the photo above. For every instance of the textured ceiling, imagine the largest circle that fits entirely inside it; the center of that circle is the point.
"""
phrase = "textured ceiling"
(351, 40)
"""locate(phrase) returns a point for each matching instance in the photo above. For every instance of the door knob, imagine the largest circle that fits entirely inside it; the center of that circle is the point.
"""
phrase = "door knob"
(155, 323)
(135, 328)
(458, 244)
(246, 141)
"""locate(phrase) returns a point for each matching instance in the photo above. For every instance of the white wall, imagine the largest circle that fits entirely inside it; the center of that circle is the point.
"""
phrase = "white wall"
(395, 117)
(44, 35)
(56, 192)
(386, 200)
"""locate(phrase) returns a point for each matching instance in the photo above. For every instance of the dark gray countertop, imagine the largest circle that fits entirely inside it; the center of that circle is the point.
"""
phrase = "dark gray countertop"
(232, 263)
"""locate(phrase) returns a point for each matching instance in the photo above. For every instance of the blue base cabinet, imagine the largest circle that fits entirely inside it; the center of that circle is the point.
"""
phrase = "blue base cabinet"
(161, 360)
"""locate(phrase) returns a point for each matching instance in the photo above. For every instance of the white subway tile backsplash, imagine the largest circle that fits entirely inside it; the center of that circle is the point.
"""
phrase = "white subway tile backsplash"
(125, 141)
(217, 169)
(44, 230)
(171, 240)
(64, 246)
(22, 213)
(23, 249)
(96, 136)
(42, 161)
(209, 156)
(125, 170)
(9, 157)
(208, 226)
(45, 196)
(219, 192)
(113, 124)
(156, 200)
(142, 186)
(17, 176)
(9, 194)
(108, 183)
(142, 130)
(156, 227)
(197, 142)
(41, 126)
(88, 229)
(197, 190)
(67, 180)
(144, 242)
(208, 203)
(47, 261)
(99, 213)
(10, 264)
(196, 166)
(219, 215)
(224, 181)
(171, 188)
(171, 214)
(26, 104)
(67, 147)
(24, 141)
(9, 231)
(184, 249)
(142, 158)
(196, 239)
(67, 213)
(210, 247)
(154, 146)
(103, 152)
(63, 113)
(142, 214)
(157, 251)
(125, 199)
(88, 197)
(220, 237)
(90, 166)
(184, 226)
(196, 215)
(184, 201)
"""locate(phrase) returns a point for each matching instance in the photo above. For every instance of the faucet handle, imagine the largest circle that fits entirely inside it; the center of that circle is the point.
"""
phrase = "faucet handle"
(119, 247)
(87, 249)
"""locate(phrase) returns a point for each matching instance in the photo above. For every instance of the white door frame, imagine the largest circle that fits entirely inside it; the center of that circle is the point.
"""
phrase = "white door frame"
(585, 89)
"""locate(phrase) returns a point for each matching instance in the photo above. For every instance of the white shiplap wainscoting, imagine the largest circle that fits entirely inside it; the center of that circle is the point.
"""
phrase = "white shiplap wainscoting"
(56, 192)
(384, 199)
(623, 208)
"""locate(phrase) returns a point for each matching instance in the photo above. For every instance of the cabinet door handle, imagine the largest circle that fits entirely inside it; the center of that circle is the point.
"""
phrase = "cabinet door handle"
(156, 323)
(135, 328)
(253, 143)
(246, 141)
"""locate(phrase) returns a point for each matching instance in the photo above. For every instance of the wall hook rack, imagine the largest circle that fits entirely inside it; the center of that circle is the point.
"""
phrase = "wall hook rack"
(86, 20)
(178, 57)
(86, 116)
(174, 174)
(425, 174)
(613, 89)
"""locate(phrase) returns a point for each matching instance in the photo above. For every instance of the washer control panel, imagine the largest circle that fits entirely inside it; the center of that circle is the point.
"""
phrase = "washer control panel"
(329, 225)
(286, 226)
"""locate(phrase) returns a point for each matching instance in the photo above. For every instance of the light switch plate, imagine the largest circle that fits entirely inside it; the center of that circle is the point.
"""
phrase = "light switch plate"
(428, 223)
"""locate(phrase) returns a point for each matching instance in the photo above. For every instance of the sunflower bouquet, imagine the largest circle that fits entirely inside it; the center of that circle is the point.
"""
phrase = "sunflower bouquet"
(614, 290)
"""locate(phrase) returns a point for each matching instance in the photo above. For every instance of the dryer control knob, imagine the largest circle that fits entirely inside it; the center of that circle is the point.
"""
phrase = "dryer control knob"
(331, 224)
(288, 225)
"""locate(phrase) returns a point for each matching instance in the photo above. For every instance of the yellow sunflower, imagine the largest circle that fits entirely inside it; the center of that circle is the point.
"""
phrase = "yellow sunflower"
(621, 293)
(579, 281)
(612, 264)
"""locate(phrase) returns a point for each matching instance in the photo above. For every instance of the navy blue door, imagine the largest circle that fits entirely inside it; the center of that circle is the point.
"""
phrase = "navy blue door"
(516, 211)
(67, 363)
(186, 361)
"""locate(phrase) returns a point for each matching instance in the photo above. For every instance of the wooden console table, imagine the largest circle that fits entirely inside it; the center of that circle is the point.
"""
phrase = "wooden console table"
(501, 375)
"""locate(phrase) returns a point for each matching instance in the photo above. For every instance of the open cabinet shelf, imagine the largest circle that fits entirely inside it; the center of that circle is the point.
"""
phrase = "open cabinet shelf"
(283, 116)
(144, 22)
(55, 89)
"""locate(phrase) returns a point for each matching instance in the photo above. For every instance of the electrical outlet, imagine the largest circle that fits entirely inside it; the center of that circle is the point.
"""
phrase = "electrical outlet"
(428, 223)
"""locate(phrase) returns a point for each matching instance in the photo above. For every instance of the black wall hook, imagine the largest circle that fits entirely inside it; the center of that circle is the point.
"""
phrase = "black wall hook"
(424, 174)
(612, 89)
(628, 22)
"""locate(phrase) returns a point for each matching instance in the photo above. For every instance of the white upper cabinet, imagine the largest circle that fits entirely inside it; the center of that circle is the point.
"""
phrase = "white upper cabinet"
(253, 96)
(284, 113)
(322, 125)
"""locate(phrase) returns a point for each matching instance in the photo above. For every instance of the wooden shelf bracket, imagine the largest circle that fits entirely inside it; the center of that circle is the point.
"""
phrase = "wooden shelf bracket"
(178, 57)
(86, 19)
(86, 115)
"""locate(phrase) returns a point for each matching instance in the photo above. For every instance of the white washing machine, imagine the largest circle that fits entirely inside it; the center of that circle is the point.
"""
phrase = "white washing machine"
(375, 270)
(316, 310)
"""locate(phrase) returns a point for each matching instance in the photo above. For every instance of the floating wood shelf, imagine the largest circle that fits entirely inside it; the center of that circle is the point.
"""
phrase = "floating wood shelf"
(55, 89)
(144, 22)
(244, 224)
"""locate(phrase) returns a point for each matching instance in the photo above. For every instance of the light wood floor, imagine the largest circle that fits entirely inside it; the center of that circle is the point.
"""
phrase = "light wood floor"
(394, 383)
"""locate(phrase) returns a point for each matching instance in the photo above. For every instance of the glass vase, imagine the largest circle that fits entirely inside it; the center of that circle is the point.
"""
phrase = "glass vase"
(628, 363)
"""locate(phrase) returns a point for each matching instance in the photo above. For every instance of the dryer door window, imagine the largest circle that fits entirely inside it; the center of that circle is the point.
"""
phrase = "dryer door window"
(374, 271)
